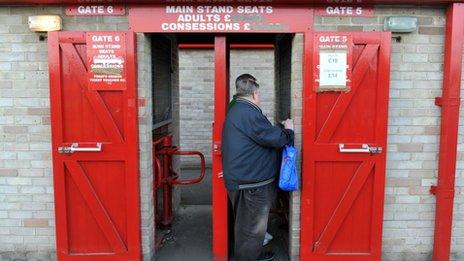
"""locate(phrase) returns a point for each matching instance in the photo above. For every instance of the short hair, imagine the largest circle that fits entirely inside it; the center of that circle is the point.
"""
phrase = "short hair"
(246, 85)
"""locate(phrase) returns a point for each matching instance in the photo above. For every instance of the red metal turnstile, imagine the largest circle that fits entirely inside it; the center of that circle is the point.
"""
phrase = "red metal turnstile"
(95, 156)
(165, 178)
(344, 144)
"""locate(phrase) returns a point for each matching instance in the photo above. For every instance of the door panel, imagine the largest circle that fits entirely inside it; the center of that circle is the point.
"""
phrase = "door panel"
(97, 189)
(343, 182)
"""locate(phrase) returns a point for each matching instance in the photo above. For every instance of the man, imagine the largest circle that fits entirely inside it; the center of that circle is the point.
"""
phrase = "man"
(250, 160)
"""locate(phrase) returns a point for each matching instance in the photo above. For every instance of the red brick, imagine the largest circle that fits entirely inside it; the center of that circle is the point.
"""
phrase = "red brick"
(46, 120)
(419, 191)
(410, 147)
(141, 102)
(15, 129)
(38, 111)
(389, 199)
(432, 30)
(403, 182)
(425, 21)
(143, 120)
(349, 28)
(421, 174)
(429, 130)
(36, 222)
(8, 172)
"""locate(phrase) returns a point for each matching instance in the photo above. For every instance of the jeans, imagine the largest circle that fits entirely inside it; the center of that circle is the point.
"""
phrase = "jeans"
(251, 212)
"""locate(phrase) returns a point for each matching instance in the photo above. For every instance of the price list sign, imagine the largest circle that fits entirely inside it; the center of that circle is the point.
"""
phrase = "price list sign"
(106, 58)
(333, 62)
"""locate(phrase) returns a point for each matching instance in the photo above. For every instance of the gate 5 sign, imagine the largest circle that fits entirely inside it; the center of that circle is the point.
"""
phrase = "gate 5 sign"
(333, 62)
(106, 56)
(344, 11)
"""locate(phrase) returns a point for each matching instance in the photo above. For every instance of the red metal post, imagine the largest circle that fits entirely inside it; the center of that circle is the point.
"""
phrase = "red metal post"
(167, 188)
(164, 176)
(221, 98)
(173, 177)
(449, 103)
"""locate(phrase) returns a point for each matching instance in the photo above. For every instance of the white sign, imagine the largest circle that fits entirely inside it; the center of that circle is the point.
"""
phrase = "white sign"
(219, 18)
(333, 66)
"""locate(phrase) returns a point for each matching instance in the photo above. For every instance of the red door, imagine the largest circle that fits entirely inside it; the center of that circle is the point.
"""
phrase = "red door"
(219, 197)
(343, 166)
(95, 155)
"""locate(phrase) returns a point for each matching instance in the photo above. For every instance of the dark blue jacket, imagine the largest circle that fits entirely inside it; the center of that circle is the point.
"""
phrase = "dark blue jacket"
(250, 146)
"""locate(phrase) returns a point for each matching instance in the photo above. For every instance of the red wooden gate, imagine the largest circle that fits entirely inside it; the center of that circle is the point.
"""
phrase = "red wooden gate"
(95, 156)
(343, 170)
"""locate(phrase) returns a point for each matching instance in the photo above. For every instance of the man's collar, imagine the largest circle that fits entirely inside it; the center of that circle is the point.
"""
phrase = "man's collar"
(246, 101)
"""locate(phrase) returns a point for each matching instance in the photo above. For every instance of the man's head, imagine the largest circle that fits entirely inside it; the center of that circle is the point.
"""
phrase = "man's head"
(248, 87)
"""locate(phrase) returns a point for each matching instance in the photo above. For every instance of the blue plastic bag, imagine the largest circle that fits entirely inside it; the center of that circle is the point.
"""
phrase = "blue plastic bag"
(288, 179)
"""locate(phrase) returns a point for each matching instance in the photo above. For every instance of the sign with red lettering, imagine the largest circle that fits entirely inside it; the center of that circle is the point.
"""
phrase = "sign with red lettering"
(92, 10)
(344, 11)
(218, 18)
(332, 62)
(106, 57)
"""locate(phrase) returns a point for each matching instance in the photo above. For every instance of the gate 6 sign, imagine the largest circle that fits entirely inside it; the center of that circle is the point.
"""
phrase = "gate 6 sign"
(333, 62)
(106, 57)
(93, 10)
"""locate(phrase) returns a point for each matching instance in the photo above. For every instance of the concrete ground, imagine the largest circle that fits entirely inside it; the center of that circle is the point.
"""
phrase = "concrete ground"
(190, 236)
(197, 194)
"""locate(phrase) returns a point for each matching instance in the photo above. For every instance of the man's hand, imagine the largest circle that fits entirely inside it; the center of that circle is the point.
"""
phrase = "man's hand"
(288, 124)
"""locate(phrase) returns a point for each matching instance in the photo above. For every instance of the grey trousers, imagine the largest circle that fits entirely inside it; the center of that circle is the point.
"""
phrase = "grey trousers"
(251, 212)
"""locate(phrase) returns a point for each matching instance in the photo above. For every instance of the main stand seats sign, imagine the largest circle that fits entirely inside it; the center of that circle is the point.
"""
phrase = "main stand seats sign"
(106, 56)
(333, 62)
(220, 19)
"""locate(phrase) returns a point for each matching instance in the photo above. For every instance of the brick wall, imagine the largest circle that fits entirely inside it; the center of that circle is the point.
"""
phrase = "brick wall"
(175, 127)
(26, 199)
(196, 93)
(26, 190)
(144, 68)
(458, 214)
(296, 110)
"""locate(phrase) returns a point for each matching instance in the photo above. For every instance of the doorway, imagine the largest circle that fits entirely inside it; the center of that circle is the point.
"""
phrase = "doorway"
(202, 98)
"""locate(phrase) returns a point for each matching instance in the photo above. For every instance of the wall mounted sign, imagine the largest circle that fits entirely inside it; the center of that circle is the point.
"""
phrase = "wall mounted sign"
(106, 57)
(221, 18)
(92, 10)
(362, 11)
(333, 63)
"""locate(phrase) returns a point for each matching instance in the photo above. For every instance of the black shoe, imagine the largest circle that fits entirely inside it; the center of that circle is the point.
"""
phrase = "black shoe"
(266, 256)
